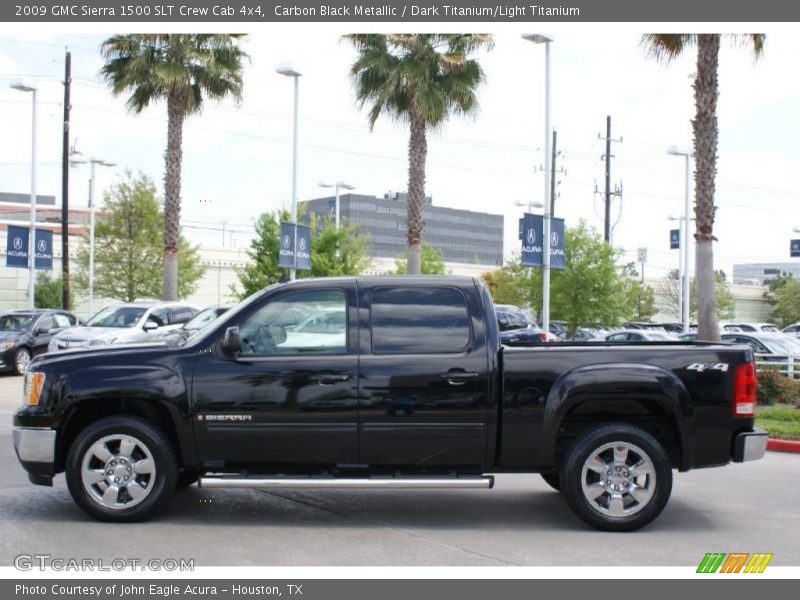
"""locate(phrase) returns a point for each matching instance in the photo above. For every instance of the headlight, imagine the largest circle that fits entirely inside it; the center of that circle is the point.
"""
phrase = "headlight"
(6, 345)
(34, 382)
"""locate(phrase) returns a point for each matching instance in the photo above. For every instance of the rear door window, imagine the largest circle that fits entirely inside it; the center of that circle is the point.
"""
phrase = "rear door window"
(180, 314)
(419, 321)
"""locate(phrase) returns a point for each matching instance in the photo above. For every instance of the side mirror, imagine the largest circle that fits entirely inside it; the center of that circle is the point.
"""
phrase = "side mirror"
(150, 325)
(230, 341)
(278, 333)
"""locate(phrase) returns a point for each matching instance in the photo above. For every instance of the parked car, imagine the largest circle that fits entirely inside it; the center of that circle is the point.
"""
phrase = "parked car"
(515, 330)
(202, 319)
(640, 335)
(132, 322)
(793, 329)
(557, 328)
(676, 327)
(26, 333)
(773, 346)
(420, 396)
(758, 327)
(581, 335)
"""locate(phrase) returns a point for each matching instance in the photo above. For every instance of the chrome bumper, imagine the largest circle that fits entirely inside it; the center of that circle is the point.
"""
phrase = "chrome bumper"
(750, 445)
(35, 444)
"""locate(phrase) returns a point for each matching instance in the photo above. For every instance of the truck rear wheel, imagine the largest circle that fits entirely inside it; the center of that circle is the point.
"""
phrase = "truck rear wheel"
(121, 469)
(616, 477)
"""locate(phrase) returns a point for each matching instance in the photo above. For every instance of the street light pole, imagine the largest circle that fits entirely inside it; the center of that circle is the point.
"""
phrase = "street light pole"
(682, 251)
(93, 162)
(686, 314)
(538, 38)
(32, 233)
(287, 70)
(338, 185)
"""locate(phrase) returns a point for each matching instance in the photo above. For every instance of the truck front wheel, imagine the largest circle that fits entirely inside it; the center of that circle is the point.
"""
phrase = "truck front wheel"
(121, 468)
(616, 477)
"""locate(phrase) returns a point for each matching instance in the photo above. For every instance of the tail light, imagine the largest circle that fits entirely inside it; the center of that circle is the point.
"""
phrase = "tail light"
(543, 336)
(744, 390)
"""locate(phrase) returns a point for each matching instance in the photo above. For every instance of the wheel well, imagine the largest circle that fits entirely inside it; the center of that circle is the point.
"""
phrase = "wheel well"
(87, 412)
(639, 412)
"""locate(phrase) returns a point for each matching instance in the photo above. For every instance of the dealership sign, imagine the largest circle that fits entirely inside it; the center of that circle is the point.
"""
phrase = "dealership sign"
(674, 239)
(794, 248)
(17, 248)
(287, 247)
(532, 235)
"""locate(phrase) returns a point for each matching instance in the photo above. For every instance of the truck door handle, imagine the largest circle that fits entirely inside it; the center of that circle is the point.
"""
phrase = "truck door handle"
(459, 377)
(329, 378)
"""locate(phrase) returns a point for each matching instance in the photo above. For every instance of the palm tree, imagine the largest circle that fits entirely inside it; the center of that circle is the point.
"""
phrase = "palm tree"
(666, 47)
(419, 79)
(182, 69)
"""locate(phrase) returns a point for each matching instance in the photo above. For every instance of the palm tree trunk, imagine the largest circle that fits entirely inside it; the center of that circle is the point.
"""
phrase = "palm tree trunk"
(417, 153)
(172, 197)
(706, 133)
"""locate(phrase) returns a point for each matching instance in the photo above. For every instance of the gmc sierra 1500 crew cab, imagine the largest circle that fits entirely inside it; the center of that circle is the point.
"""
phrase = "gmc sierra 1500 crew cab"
(383, 382)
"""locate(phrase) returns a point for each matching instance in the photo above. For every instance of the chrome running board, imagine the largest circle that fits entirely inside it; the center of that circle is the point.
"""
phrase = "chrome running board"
(411, 483)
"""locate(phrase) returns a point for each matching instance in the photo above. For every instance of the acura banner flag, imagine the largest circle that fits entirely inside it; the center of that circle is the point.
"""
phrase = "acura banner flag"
(17, 248)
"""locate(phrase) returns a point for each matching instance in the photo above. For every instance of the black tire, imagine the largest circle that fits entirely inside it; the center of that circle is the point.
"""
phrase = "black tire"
(151, 445)
(553, 479)
(622, 498)
(20, 357)
(186, 477)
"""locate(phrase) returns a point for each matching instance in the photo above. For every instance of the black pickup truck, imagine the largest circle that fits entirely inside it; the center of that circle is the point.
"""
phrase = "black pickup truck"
(383, 382)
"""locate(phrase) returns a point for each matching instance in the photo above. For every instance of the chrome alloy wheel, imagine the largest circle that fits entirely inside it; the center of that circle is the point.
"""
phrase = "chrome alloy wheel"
(618, 479)
(118, 471)
(22, 360)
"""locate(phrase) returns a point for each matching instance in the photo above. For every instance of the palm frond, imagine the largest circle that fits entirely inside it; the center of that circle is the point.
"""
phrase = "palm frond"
(665, 47)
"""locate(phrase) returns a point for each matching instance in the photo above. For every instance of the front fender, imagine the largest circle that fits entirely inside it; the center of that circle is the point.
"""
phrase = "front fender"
(606, 385)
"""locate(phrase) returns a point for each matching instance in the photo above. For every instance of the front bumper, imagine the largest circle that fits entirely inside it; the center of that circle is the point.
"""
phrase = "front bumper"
(36, 450)
(750, 445)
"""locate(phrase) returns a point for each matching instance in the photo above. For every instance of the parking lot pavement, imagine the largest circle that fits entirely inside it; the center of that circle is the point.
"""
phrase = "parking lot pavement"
(740, 508)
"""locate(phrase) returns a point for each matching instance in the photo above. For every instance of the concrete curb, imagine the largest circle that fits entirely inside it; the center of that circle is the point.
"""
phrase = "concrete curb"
(783, 445)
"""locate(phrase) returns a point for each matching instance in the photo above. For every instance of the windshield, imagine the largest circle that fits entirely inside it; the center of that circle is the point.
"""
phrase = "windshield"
(117, 316)
(780, 345)
(204, 318)
(15, 323)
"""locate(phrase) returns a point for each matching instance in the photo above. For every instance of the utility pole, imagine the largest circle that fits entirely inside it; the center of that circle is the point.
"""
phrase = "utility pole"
(65, 295)
(607, 157)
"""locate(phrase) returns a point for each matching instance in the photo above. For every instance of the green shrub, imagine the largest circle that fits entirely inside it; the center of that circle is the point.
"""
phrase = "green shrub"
(775, 388)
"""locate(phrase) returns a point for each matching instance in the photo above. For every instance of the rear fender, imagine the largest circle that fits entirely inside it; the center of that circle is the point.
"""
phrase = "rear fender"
(603, 383)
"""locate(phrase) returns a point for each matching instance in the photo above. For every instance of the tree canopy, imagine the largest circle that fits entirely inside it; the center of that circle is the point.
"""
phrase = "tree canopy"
(342, 251)
(128, 261)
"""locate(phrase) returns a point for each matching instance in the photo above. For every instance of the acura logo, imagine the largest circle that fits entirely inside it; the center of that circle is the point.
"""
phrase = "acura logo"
(302, 243)
(286, 242)
(17, 243)
(554, 239)
(41, 245)
(531, 236)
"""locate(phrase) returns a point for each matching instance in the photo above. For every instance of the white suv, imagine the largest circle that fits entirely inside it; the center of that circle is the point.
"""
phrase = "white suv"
(132, 322)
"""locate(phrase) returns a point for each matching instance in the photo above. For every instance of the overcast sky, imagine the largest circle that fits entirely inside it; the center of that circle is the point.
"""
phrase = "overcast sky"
(237, 161)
